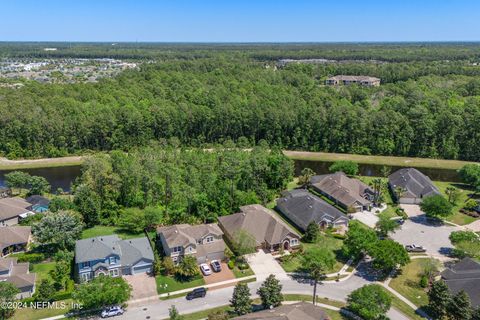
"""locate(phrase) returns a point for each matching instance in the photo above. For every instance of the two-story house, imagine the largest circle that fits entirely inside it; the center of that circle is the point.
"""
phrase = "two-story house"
(109, 255)
(204, 241)
(19, 275)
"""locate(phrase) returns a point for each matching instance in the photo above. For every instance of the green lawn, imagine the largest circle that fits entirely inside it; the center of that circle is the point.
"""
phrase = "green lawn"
(108, 230)
(404, 308)
(173, 285)
(378, 160)
(42, 270)
(294, 263)
(306, 297)
(34, 314)
(457, 217)
(242, 273)
(407, 283)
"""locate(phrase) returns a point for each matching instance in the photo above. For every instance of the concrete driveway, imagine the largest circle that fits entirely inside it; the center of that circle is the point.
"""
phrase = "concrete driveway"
(366, 217)
(418, 230)
(412, 210)
(143, 286)
(264, 264)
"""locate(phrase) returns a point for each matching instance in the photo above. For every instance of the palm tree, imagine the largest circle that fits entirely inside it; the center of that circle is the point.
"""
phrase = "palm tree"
(399, 192)
(317, 261)
(377, 190)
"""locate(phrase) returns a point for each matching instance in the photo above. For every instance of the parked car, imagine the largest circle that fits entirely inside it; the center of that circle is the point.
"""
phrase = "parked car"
(197, 293)
(112, 312)
(216, 266)
(415, 248)
(205, 269)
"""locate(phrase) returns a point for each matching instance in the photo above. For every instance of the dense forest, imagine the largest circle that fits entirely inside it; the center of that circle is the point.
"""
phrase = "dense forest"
(177, 185)
(202, 95)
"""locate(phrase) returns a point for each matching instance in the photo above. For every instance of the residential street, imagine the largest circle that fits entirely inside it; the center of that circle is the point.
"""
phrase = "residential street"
(219, 297)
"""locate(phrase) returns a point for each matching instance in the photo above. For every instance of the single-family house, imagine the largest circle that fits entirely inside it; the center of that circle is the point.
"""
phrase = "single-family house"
(464, 275)
(301, 207)
(14, 239)
(410, 186)
(204, 242)
(351, 194)
(348, 80)
(295, 311)
(110, 255)
(13, 209)
(269, 231)
(19, 275)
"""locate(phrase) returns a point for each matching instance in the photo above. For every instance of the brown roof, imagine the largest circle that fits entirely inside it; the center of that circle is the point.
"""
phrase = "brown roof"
(260, 222)
(19, 273)
(342, 188)
(184, 234)
(296, 311)
(14, 235)
(13, 207)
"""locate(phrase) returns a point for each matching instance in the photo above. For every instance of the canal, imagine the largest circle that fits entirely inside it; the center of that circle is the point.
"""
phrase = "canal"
(63, 177)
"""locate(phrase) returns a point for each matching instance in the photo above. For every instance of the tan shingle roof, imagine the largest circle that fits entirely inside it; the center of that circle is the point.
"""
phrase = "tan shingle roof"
(260, 222)
(184, 234)
(19, 273)
(13, 207)
(14, 235)
(296, 311)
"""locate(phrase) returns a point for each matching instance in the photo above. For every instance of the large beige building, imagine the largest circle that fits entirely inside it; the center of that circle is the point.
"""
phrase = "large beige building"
(347, 80)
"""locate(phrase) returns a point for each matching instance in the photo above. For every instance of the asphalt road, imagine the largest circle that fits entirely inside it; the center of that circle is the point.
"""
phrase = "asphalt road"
(220, 297)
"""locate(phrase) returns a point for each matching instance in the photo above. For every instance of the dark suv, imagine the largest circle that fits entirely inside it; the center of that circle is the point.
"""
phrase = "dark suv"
(197, 293)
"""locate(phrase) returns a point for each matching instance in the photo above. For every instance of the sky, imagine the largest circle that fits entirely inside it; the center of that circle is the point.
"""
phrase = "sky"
(239, 21)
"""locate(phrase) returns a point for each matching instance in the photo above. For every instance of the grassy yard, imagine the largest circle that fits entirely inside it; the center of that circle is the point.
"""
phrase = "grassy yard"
(404, 308)
(42, 270)
(169, 284)
(34, 314)
(457, 217)
(294, 263)
(242, 273)
(407, 283)
(378, 160)
(108, 230)
(306, 297)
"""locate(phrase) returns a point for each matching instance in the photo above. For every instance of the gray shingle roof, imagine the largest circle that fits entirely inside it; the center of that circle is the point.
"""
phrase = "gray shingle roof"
(19, 273)
(13, 207)
(302, 207)
(130, 251)
(464, 275)
(416, 184)
(342, 188)
(14, 235)
(184, 234)
(260, 222)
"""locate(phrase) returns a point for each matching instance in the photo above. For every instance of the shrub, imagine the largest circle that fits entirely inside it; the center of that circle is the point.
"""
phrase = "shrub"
(424, 281)
(31, 257)
(458, 236)
(231, 264)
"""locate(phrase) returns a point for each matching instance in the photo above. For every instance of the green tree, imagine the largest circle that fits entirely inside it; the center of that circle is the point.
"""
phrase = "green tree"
(359, 240)
(60, 203)
(241, 301)
(399, 192)
(132, 220)
(436, 207)
(317, 261)
(243, 242)
(45, 291)
(38, 185)
(385, 224)
(270, 292)
(59, 230)
(470, 205)
(459, 307)
(102, 291)
(187, 267)
(476, 314)
(168, 266)
(453, 194)
(60, 274)
(388, 255)
(348, 167)
(173, 313)
(312, 233)
(8, 293)
(470, 174)
(438, 299)
(17, 179)
(371, 302)
(304, 178)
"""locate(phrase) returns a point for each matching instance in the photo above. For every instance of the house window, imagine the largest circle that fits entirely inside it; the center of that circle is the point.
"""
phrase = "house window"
(209, 239)
(112, 260)
(293, 242)
(177, 249)
(85, 264)
(113, 273)
(85, 276)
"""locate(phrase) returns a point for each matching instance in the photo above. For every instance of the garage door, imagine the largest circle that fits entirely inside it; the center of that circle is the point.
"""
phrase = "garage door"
(142, 269)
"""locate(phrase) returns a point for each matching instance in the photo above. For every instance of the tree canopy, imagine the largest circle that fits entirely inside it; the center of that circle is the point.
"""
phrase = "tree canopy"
(436, 206)
(371, 302)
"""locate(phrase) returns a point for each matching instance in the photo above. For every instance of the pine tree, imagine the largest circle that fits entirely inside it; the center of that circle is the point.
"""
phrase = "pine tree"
(460, 307)
(439, 298)
(270, 292)
(312, 233)
(241, 301)
(476, 314)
